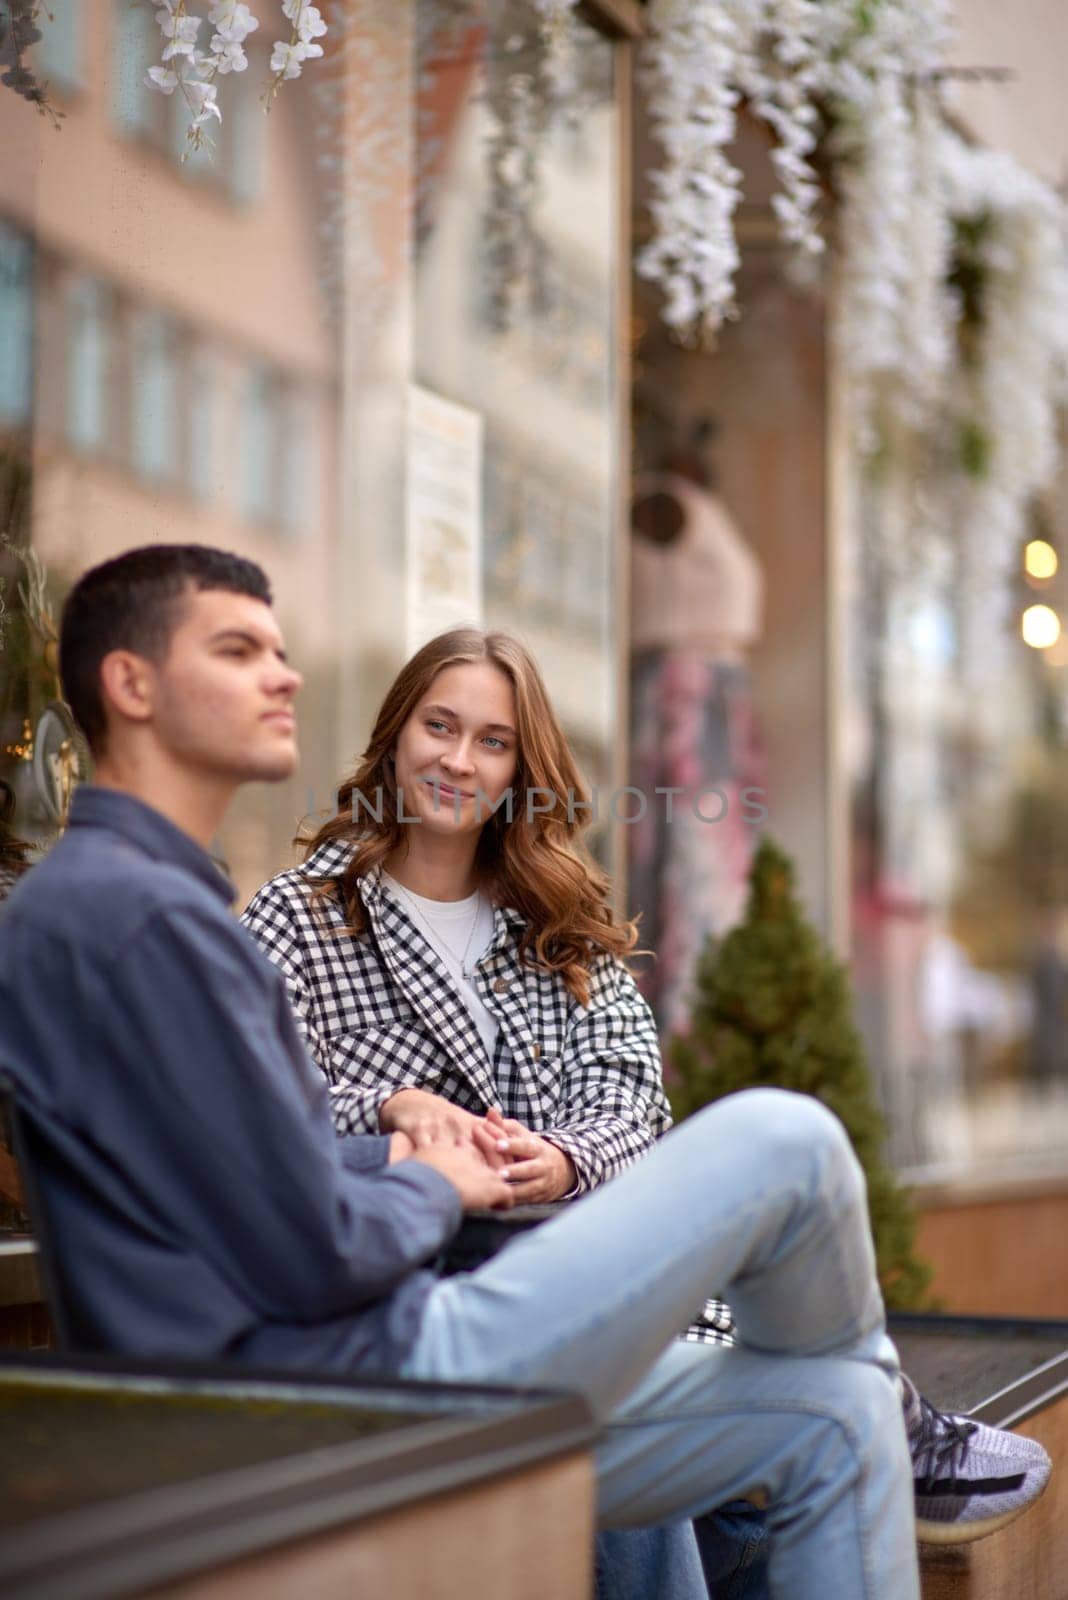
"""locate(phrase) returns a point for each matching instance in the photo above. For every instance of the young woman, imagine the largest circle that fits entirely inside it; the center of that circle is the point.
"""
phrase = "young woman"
(451, 954)
(449, 945)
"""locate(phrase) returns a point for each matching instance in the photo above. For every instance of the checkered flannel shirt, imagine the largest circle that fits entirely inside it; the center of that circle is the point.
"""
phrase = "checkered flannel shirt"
(380, 1013)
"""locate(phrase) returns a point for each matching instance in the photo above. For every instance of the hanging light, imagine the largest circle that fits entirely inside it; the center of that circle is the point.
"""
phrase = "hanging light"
(1041, 627)
(1040, 559)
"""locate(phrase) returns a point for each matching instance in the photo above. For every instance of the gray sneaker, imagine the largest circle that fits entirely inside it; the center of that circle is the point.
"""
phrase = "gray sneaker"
(970, 1480)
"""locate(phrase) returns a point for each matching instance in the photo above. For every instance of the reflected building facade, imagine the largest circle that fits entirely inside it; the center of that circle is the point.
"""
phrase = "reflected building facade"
(225, 346)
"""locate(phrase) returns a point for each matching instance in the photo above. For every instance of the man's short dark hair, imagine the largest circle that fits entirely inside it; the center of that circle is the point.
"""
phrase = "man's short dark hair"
(134, 603)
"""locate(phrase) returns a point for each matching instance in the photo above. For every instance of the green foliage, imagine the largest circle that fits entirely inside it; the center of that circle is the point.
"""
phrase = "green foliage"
(976, 450)
(774, 1008)
(867, 14)
(968, 272)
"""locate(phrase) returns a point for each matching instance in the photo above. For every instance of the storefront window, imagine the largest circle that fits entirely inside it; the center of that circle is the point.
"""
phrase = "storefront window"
(16, 326)
(60, 55)
(154, 398)
(134, 105)
(90, 338)
(960, 850)
(515, 314)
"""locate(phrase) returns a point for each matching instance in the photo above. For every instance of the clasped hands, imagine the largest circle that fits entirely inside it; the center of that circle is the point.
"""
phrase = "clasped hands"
(493, 1161)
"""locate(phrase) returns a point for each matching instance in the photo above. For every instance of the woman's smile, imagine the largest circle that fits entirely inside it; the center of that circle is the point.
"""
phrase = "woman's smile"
(447, 789)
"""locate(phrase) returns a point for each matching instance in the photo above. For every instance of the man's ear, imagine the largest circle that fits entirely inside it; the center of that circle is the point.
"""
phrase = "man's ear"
(127, 684)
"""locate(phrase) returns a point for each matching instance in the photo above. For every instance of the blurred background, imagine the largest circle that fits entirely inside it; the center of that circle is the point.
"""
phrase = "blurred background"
(389, 341)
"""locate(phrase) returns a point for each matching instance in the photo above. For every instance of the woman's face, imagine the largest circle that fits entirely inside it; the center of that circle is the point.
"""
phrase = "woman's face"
(457, 753)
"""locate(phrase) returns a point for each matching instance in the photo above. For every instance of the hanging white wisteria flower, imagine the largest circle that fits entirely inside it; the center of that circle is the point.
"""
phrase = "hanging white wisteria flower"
(689, 74)
(233, 23)
(780, 70)
(797, 64)
(1011, 235)
(929, 306)
(557, 19)
(701, 60)
(193, 73)
(509, 255)
(875, 192)
(894, 317)
(535, 82)
(290, 54)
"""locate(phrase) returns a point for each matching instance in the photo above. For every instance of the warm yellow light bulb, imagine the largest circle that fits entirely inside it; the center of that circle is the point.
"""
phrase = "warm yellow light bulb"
(1041, 627)
(1040, 559)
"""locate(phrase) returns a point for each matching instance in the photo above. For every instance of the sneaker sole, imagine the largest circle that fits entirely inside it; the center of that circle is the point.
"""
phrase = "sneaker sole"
(950, 1533)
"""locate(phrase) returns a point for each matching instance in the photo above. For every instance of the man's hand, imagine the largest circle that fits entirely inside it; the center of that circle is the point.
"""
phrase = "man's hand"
(400, 1148)
(538, 1170)
(426, 1118)
(479, 1186)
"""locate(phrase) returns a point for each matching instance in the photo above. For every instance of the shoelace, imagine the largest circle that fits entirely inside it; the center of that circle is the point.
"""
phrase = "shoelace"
(942, 1441)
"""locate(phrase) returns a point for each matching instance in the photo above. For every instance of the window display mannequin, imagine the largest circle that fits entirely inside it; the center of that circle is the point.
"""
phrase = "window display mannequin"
(696, 611)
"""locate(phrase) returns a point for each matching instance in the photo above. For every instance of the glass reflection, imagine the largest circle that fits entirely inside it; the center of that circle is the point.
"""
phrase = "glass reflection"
(221, 349)
(960, 897)
(515, 312)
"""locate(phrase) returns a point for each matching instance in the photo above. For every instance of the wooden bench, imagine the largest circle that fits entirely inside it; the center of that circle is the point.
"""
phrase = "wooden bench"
(1009, 1372)
(155, 1479)
(434, 1492)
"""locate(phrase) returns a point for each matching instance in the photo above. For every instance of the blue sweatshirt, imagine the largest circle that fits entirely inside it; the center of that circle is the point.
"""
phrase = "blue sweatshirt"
(200, 1202)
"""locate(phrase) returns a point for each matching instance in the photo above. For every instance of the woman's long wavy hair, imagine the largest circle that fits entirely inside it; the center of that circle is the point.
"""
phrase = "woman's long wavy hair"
(537, 864)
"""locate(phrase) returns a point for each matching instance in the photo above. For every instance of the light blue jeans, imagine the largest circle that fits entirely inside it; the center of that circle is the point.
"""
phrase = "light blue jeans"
(760, 1198)
(661, 1563)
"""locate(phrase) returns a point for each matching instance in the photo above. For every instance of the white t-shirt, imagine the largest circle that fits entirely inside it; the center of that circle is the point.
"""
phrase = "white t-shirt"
(451, 928)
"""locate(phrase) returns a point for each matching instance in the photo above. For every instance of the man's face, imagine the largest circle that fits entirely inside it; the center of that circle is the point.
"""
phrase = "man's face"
(223, 695)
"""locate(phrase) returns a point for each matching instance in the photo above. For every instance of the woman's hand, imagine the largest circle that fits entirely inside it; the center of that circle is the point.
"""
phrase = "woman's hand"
(538, 1171)
(426, 1118)
(423, 1120)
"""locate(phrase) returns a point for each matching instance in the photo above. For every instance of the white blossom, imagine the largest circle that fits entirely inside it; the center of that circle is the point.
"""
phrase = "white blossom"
(232, 20)
(688, 72)
(228, 55)
(1013, 382)
(788, 59)
(289, 56)
(306, 19)
(180, 32)
(929, 308)
(233, 23)
(287, 59)
(200, 96)
(779, 71)
(874, 266)
(163, 78)
(196, 73)
(557, 26)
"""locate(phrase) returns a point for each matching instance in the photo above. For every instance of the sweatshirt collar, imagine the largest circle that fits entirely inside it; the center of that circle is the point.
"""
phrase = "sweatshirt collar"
(147, 830)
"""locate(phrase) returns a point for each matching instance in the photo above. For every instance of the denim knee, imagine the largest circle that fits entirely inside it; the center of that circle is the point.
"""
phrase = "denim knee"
(791, 1131)
(859, 1404)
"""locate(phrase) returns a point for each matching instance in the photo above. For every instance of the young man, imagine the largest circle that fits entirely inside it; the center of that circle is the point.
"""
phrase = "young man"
(204, 1207)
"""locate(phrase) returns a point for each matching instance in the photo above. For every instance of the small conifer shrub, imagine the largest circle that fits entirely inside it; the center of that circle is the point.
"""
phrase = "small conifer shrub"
(773, 1008)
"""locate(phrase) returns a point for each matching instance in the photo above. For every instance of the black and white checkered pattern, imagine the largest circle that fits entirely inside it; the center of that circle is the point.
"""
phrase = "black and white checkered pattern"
(380, 1013)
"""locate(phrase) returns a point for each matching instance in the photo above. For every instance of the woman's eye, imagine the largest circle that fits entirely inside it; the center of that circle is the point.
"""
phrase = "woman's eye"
(491, 738)
(434, 724)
